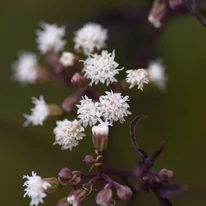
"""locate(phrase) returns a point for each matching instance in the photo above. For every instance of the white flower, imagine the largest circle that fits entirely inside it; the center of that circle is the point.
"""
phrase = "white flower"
(50, 38)
(101, 129)
(101, 68)
(35, 188)
(72, 200)
(88, 111)
(113, 107)
(156, 73)
(25, 68)
(90, 37)
(68, 133)
(39, 113)
(67, 59)
(137, 77)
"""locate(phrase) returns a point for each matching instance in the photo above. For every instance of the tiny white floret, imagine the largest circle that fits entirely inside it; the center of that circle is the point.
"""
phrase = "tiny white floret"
(72, 200)
(101, 129)
(114, 107)
(101, 68)
(67, 59)
(35, 188)
(39, 113)
(155, 22)
(25, 68)
(88, 111)
(137, 77)
(90, 37)
(50, 38)
(68, 133)
(156, 74)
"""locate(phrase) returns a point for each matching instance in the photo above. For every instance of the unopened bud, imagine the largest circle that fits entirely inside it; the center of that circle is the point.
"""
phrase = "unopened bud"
(76, 179)
(54, 184)
(100, 136)
(124, 192)
(89, 159)
(78, 80)
(104, 197)
(69, 104)
(54, 111)
(63, 202)
(164, 175)
(175, 3)
(65, 176)
(157, 13)
(76, 197)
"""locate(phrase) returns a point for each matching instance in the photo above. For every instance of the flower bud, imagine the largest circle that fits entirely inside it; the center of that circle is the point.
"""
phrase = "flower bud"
(69, 104)
(89, 159)
(76, 179)
(65, 176)
(104, 197)
(164, 175)
(100, 136)
(76, 197)
(124, 192)
(78, 80)
(54, 111)
(157, 13)
(175, 3)
(54, 184)
(63, 202)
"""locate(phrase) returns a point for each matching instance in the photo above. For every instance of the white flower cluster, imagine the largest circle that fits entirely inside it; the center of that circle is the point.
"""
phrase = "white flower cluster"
(35, 188)
(50, 38)
(137, 77)
(25, 68)
(68, 133)
(67, 59)
(111, 107)
(90, 37)
(101, 68)
(39, 113)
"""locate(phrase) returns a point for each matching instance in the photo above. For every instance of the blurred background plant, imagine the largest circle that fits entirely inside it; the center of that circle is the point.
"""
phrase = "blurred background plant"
(176, 116)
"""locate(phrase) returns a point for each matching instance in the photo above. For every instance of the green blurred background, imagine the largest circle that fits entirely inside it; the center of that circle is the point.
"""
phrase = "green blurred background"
(178, 116)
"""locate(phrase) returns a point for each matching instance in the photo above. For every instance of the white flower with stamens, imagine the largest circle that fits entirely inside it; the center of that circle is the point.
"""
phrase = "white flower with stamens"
(90, 37)
(68, 133)
(101, 68)
(72, 200)
(156, 74)
(25, 68)
(67, 59)
(50, 38)
(88, 111)
(137, 77)
(39, 113)
(114, 107)
(35, 188)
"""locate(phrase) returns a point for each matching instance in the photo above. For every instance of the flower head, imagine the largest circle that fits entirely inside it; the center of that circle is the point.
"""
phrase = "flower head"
(88, 111)
(67, 59)
(35, 188)
(68, 133)
(25, 68)
(114, 107)
(156, 73)
(137, 77)
(50, 38)
(101, 68)
(39, 113)
(90, 37)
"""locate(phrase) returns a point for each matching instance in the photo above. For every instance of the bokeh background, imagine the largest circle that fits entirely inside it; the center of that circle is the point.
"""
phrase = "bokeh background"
(177, 116)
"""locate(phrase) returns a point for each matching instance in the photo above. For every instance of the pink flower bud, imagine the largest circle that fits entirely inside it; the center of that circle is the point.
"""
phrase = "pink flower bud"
(65, 176)
(78, 80)
(89, 159)
(104, 197)
(124, 192)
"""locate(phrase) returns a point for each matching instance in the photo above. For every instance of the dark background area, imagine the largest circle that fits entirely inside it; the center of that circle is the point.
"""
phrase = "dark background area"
(177, 116)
